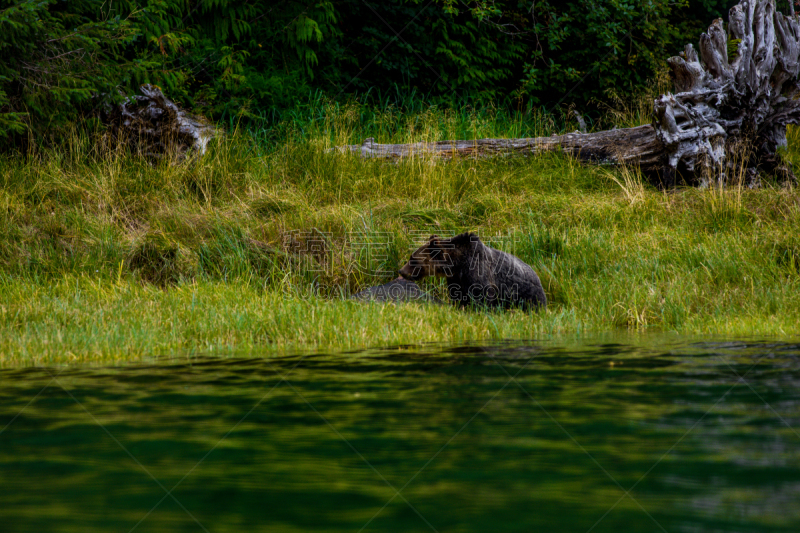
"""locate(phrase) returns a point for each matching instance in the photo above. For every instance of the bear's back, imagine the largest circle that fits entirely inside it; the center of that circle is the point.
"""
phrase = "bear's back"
(508, 281)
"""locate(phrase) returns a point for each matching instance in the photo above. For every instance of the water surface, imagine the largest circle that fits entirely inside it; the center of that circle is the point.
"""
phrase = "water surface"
(534, 436)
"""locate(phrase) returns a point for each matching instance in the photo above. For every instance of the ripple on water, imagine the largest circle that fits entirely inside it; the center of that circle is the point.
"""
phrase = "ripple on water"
(512, 436)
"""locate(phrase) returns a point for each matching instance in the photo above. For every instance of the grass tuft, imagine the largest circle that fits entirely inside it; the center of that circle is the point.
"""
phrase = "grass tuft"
(156, 259)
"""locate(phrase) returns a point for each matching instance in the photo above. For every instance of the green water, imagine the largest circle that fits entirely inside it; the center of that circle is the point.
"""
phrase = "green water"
(509, 437)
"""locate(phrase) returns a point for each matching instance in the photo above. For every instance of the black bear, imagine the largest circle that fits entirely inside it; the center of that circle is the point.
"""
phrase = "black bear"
(397, 290)
(477, 274)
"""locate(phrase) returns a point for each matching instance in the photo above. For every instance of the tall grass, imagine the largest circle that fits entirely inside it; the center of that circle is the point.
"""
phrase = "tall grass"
(113, 256)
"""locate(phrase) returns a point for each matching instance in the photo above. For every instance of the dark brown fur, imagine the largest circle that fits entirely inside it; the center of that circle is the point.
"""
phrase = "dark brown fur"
(477, 274)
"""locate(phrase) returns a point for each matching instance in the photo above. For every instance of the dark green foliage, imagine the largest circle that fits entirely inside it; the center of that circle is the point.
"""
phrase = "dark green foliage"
(156, 260)
(62, 57)
(237, 59)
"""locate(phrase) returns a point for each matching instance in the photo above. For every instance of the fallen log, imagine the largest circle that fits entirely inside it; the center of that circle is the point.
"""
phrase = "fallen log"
(638, 145)
(724, 109)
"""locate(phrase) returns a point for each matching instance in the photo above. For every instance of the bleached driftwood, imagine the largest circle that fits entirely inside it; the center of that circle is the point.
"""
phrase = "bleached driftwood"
(155, 125)
(720, 105)
(724, 103)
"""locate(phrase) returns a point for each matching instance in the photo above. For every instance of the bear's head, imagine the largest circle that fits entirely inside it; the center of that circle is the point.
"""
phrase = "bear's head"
(437, 257)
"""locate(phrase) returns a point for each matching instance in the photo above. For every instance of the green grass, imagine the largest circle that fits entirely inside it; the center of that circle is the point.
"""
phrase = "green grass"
(111, 257)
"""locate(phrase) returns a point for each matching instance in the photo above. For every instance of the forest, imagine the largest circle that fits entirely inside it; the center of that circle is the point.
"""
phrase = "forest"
(258, 60)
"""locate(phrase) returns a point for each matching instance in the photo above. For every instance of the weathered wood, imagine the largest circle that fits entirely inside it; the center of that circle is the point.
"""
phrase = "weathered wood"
(723, 104)
(153, 124)
(630, 145)
(724, 108)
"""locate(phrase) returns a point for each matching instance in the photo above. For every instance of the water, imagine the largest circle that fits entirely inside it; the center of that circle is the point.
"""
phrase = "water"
(324, 442)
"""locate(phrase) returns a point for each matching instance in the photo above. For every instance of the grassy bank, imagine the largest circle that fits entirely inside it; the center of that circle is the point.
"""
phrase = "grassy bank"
(108, 257)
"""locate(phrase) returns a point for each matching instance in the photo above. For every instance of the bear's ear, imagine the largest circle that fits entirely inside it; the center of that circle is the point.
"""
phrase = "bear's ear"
(464, 239)
(434, 240)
